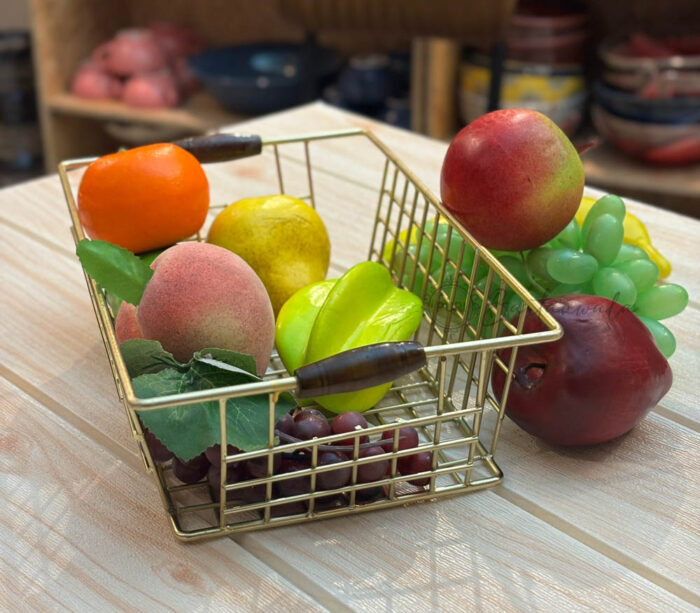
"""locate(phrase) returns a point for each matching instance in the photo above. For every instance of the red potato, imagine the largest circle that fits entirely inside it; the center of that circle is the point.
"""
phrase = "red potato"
(99, 56)
(152, 90)
(176, 40)
(132, 52)
(90, 81)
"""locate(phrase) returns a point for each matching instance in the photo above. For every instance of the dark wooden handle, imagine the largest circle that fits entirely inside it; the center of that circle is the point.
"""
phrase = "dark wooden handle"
(221, 147)
(359, 368)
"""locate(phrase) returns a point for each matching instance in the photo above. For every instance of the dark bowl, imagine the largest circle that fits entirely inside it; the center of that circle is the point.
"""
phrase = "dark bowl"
(261, 78)
(366, 81)
(653, 110)
(656, 143)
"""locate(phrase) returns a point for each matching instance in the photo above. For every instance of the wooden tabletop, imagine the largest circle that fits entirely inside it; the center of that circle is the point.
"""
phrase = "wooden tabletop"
(614, 527)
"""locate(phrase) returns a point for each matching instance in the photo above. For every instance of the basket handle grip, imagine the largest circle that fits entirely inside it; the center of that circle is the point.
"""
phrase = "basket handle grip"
(221, 147)
(359, 368)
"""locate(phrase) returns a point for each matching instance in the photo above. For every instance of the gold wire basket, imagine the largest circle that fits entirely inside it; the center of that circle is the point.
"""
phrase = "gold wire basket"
(447, 399)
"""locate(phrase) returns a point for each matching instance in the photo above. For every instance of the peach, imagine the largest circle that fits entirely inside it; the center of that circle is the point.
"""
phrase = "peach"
(126, 325)
(202, 296)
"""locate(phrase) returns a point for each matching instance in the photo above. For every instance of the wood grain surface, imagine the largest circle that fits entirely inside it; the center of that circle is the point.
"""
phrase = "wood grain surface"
(82, 530)
(608, 528)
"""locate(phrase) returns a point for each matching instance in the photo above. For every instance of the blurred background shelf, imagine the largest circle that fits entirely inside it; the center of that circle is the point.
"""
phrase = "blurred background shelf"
(675, 187)
(199, 113)
(65, 33)
(460, 60)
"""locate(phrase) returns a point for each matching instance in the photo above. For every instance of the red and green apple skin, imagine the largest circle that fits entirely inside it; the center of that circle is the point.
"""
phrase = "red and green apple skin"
(513, 179)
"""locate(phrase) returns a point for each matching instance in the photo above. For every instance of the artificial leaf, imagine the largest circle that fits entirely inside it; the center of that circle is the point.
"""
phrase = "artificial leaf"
(227, 359)
(207, 374)
(184, 430)
(114, 302)
(188, 430)
(116, 269)
(247, 419)
(142, 356)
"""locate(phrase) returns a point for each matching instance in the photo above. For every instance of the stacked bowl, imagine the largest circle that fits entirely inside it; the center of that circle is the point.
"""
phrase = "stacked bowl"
(544, 68)
(648, 101)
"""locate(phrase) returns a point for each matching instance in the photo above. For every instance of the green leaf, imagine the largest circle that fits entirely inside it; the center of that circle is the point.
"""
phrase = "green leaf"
(227, 359)
(185, 430)
(116, 269)
(142, 356)
(207, 374)
(113, 301)
(188, 430)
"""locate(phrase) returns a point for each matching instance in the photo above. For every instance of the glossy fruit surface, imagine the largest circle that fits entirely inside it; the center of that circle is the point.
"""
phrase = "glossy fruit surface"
(144, 198)
(282, 238)
(635, 234)
(512, 178)
(351, 421)
(592, 385)
(361, 308)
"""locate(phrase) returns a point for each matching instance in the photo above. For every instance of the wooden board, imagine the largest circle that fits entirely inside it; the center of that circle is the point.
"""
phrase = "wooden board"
(596, 529)
(674, 187)
(475, 552)
(83, 530)
(198, 114)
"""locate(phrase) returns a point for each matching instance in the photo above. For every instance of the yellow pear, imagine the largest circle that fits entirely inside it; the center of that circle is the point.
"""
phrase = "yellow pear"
(282, 238)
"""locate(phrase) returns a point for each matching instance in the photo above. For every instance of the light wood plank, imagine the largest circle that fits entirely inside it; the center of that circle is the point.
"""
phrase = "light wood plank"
(75, 322)
(78, 390)
(637, 494)
(50, 335)
(81, 530)
(682, 398)
(477, 552)
(199, 113)
(36, 208)
(59, 296)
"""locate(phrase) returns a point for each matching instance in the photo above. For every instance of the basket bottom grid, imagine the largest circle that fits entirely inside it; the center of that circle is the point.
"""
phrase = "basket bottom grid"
(463, 465)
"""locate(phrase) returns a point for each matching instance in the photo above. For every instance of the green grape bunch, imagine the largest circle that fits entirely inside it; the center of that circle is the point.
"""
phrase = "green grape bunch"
(587, 259)
(592, 259)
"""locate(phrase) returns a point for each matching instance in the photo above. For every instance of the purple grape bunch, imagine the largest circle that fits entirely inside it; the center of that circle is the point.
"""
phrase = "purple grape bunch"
(305, 425)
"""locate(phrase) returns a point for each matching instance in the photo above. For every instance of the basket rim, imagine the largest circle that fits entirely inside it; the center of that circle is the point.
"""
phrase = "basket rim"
(277, 386)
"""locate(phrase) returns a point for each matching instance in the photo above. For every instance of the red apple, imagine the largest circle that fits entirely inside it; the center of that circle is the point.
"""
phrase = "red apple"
(592, 385)
(513, 179)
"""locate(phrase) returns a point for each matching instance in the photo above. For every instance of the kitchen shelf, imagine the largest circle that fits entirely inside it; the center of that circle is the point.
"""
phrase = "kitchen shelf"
(72, 127)
(199, 113)
(675, 188)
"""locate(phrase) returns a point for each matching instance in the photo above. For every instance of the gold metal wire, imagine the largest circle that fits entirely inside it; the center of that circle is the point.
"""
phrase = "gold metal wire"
(448, 401)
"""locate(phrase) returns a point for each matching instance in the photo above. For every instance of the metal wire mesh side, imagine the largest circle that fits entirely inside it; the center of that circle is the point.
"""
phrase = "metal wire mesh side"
(448, 401)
